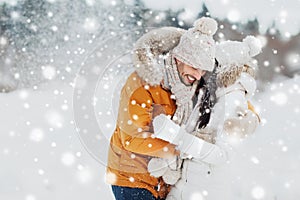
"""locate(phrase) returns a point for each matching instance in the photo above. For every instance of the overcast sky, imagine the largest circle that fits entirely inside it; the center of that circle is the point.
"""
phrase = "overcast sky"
(284, 13)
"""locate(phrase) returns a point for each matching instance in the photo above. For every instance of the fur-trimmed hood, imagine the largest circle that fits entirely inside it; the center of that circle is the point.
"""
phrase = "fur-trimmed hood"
(150, 50)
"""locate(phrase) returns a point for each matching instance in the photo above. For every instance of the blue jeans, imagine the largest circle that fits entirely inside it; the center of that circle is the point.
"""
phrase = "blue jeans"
(127, 193)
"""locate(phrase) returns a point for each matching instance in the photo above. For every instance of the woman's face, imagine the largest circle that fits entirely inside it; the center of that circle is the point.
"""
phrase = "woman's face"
(187, 73)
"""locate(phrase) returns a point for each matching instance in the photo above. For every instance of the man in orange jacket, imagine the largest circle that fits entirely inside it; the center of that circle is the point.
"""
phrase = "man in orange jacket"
(170, 63)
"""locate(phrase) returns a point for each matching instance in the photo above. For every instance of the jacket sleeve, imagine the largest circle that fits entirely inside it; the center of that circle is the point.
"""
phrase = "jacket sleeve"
(136, 127)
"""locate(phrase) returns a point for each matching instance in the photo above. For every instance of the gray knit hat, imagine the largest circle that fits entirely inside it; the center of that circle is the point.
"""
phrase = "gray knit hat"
(197, 46)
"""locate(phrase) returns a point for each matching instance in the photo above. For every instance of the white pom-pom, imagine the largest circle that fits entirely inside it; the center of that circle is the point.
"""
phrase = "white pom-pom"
(206, 25)
(254, 45)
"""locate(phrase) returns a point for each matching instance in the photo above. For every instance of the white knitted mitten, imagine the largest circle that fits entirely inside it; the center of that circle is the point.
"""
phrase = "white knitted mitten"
(243, 125)
(167, 168)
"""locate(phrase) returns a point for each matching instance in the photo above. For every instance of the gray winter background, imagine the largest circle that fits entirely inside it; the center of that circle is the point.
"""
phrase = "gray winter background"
(62, 65)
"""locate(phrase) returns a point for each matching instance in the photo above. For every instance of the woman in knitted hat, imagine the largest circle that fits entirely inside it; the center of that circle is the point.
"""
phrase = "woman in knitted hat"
(170, 63)
(206, 150)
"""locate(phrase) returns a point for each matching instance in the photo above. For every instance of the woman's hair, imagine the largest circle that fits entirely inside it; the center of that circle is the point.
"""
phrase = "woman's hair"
(208, 98)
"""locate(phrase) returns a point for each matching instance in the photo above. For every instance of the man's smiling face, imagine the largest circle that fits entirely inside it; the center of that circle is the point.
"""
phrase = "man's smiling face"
(187, 73)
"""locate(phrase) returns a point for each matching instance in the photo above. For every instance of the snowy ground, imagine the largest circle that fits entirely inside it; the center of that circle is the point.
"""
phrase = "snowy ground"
(42, 156)
(269, 161)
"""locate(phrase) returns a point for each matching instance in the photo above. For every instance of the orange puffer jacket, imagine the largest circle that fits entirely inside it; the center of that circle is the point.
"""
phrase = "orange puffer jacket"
(131, 145)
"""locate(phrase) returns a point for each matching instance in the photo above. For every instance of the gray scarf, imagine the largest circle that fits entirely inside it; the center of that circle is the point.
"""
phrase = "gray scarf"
(182, 94)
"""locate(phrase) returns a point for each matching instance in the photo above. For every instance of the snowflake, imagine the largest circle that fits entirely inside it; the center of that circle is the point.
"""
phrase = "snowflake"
(51, 1)
(23, 94)
(279, 98)
(188, 15)
(111, 177)
(50, 14)
(165, 149)
(113, 3)
(234, 15)
(266, 63)
(221, 35)
(258, 192)
(54, 118)
(284, 148)
(90, 2)
(64, 107)
(26, 105)
(54, 28)
(196, 196)
(68, 159)
(90, 24)
(84, 175)
(15, 15)
(17, 75)
(135, 117)
(41, 172)
(30, 197)
(293, 59)
(36, 135)
(111, 18)
(255, 160)
(3, 41)
(132, 156)
(131, 179)
(49, 72)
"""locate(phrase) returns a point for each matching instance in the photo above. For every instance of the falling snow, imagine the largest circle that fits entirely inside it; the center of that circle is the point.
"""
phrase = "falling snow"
(44, 157)
(36, 135)
(258, 192)
(68, 159)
